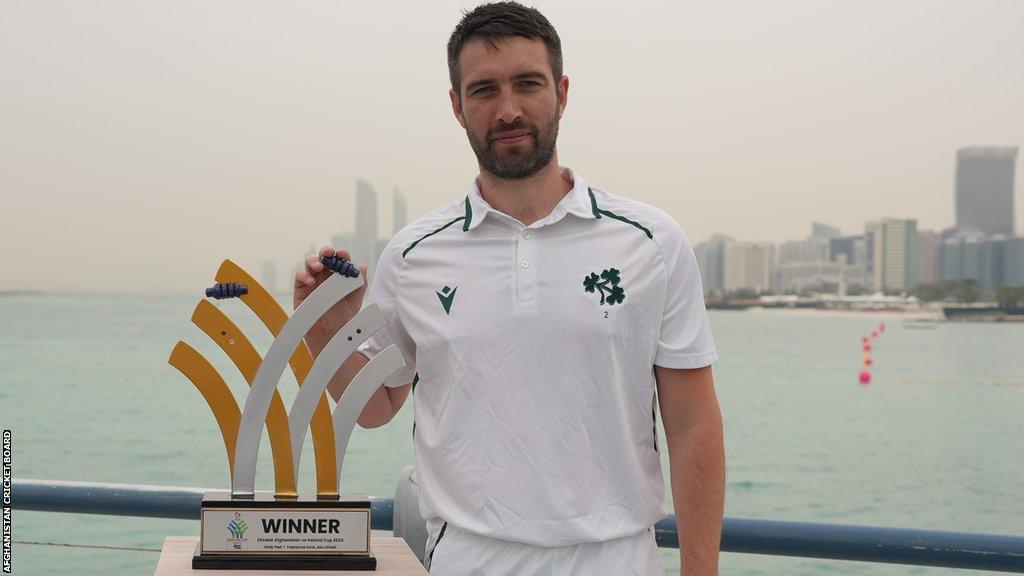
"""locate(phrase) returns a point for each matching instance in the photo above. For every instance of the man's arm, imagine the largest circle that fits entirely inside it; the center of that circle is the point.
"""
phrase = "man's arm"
(693, 426)
(384, 403)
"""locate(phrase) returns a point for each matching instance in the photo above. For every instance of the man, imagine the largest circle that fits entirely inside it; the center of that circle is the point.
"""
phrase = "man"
(537, 317)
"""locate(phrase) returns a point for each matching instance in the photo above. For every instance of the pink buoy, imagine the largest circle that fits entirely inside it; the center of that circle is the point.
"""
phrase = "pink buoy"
(874, 334)
(881, 327)
(868, 362)
(867, 347)
(865, 377)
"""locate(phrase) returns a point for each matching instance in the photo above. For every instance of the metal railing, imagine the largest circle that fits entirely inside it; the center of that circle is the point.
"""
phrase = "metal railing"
(772, 537)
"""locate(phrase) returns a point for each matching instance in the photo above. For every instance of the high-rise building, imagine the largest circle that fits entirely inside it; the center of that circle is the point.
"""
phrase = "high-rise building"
(973, 255)
(892, 253)
(960, 256)
(398, 211)
(364, 243)
(984, 189)
(993, 264)
(900, 255)
(849, 247)
(711, 261)
(873, 254)
(928, 243)
(749, 265)
(1013, 262)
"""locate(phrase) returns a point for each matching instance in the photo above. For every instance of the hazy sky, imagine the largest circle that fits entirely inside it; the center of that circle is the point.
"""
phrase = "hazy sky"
(142, 142)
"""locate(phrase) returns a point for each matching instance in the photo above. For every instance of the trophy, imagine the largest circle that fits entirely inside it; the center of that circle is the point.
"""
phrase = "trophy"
(283, 530)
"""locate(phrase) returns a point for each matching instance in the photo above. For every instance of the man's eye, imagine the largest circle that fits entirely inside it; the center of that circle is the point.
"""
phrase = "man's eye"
(529, 83)
(483, 90)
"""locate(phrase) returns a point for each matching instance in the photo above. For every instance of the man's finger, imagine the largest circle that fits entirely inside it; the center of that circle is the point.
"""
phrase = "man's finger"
(314, 264)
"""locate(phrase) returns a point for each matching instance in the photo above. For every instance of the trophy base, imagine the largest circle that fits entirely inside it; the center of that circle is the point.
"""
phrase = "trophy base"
(282, 562)
(269, 533)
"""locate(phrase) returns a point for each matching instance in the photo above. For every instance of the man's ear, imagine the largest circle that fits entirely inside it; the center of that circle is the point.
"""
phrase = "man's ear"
(563, 95)
(457, 107)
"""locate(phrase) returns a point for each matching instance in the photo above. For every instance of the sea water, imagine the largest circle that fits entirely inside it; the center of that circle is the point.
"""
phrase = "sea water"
(933, 442)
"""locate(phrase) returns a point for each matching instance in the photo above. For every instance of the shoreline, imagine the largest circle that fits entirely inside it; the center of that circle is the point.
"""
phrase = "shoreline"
(913, 315)
(916, 316)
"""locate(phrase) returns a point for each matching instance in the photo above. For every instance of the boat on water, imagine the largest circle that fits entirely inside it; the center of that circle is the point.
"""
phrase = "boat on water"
(985, 312)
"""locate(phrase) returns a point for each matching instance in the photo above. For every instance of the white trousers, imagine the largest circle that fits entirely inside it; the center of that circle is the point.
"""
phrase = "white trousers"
(454, 552)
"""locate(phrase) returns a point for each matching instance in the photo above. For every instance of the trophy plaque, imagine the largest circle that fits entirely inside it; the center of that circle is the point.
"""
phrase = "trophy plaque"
(283, 530)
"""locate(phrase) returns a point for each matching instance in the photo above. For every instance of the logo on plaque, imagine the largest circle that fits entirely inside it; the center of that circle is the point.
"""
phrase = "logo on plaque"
(285, 530)
(237, 528)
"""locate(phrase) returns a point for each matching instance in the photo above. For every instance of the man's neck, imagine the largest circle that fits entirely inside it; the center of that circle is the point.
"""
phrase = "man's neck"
(527, 200)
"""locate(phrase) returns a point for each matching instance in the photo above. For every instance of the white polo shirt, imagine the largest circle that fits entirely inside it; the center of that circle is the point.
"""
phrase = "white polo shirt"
(531, 351)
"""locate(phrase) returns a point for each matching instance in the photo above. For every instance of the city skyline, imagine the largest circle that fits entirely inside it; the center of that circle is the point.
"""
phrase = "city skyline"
(174, 135)
(892, 255)
(365, 243)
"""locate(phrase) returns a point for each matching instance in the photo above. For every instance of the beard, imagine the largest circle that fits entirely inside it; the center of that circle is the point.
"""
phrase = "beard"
(520, 161)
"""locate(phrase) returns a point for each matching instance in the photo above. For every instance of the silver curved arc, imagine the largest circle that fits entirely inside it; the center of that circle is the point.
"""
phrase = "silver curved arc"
(363, 385)
(250, 430)
(327, 362)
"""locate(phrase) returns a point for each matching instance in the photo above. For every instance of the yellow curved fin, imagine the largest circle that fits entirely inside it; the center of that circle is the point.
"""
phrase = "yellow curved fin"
(216, 392)
(230, 338)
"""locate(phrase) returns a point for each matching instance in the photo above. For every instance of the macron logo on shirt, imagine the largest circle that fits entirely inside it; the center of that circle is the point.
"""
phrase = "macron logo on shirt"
(447, 296)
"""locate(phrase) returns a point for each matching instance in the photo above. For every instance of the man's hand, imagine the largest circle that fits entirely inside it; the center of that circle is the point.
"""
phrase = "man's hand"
(312, 276)
(693, 427)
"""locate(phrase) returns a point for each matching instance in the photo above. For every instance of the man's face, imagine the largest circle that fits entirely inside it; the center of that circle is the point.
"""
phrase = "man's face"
(510, 105)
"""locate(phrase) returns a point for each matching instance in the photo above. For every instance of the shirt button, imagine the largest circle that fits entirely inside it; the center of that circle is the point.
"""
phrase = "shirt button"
(526, 234)
(525, 263)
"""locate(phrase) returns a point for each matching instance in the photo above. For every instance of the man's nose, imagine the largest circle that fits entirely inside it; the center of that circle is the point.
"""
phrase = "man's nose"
(508, 108)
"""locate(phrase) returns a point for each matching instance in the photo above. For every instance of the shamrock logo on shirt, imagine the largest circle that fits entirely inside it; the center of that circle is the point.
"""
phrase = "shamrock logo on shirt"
(607, 284)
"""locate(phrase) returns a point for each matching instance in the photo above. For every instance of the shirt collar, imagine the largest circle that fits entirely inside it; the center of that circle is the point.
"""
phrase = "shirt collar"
(577, 202)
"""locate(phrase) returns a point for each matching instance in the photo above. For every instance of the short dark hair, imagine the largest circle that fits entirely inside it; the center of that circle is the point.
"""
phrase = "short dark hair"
(492, 22)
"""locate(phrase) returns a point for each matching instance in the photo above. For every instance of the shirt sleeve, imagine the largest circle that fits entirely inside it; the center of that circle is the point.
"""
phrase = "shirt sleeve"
(685, 340)
(383, 292)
